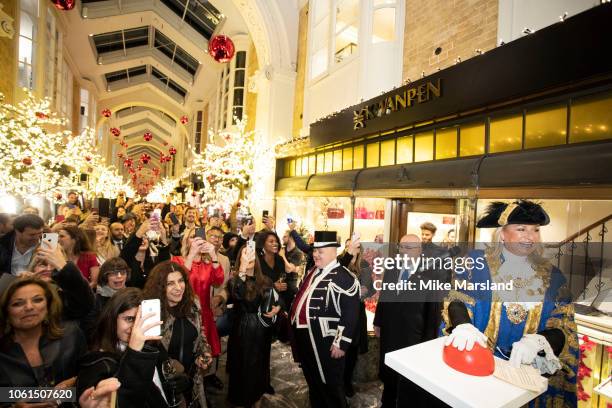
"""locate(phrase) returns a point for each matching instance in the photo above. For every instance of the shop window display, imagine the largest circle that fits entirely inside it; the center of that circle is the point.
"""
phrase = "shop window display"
(545, 127)
(590, 119)
(506, 133)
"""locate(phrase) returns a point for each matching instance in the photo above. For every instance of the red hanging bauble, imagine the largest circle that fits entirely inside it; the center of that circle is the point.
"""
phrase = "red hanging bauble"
(226, 171)
(58, 196)
(139, 168)
(184, 119)
(145, 158)
(27, 161)
(128, 162)
(172, 151)
(115, 132)
(41, 115)
(64, 4)
(193, 194)
(88, 158)
(148, 136)
(106, 113)
(221, 48)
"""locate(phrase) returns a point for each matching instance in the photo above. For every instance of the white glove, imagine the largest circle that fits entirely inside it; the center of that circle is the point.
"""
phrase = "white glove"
(464, 336)
(525, 351)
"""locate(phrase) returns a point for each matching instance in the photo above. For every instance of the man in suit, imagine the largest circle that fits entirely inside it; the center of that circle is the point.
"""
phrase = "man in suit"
(404, 318)
(18, 246)
(324, 316)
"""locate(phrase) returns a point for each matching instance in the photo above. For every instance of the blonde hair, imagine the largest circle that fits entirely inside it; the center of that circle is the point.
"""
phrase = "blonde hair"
(188, 233)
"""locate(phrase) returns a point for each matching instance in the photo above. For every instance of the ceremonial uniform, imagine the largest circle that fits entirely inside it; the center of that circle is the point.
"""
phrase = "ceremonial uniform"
(325, 314)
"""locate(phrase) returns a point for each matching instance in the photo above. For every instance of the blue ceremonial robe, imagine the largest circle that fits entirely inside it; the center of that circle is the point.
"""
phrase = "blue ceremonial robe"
(496, 322)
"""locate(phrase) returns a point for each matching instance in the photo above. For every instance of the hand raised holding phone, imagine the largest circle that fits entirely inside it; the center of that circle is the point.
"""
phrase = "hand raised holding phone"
(142, 324)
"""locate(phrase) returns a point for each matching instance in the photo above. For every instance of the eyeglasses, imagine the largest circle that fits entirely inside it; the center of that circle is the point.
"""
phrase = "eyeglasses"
(408, 246)
(117, 272)
(215, 236)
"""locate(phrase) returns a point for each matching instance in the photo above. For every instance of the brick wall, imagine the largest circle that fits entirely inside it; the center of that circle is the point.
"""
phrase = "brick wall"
(458, 27)
(8, 54)
(300, 78)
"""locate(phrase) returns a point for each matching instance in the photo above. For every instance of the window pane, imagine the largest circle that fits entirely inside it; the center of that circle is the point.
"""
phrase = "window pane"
(286, 167)
(404, 149)
(387, 153)
(239, 78)
(338, 160)
(25, 50)
(472, 139)
(320, 52)
(26, 26)
(347, 29)
(446, 143)
(321, 8)
(329, 161)
(372, 155)
(347, 158)
(505, 134)
(320, 163)
(30, 6)
(292, 168)
(241, 59)
(358, 157)
(591, 119)
(312, 164)
(298, 166)
(383, 25)
(423, 146)
(304, 166)
(545, 127)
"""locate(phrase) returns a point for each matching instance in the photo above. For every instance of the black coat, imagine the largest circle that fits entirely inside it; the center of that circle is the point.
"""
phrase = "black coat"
(133, 369)
(138, 274)
(77, 297)
(332, 314)
(408, 317)
(7, 243)
(60, 358)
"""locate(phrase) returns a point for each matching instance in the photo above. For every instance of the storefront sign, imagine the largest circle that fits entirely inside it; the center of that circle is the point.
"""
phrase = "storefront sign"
(406, 99)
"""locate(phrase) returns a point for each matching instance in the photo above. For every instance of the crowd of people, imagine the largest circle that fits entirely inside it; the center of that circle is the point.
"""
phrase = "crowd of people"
(72, 316)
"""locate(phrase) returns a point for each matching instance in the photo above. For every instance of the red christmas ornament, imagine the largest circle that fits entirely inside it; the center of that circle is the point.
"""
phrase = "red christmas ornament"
(209, 179)
(184, 119)
(64, 4)
(193, 194)
(172, 151)
(226, 171)
(58, 196)
(41, 115)
(147, 136)
(139, 168)
(221, 48)
(128, 162)
(27, 161)
(145, 158)
(106, 113)
(115, 132)
(88, 158)
(132, 171)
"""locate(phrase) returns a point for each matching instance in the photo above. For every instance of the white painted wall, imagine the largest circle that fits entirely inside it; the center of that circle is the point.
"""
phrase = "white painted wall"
(516, 15)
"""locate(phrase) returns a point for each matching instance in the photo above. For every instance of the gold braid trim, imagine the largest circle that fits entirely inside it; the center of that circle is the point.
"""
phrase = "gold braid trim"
(533, 319)
(503, 218)
(492, 329)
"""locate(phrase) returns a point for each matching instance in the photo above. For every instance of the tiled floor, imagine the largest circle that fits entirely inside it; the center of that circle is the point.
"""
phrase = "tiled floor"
(290, 386)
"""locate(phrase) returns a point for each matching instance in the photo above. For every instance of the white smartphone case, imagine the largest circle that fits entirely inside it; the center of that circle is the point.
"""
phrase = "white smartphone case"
(152, 306)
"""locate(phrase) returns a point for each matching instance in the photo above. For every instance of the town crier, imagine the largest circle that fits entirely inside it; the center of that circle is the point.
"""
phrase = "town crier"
(324, 318)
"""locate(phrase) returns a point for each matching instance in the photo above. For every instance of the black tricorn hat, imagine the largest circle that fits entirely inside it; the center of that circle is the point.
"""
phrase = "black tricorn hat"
(324, 239)
(526, 212)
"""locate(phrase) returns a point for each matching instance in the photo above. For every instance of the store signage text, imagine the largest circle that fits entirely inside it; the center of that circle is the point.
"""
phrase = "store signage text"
(408, 98)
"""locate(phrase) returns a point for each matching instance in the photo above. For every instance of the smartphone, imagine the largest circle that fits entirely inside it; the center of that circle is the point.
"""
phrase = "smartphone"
(251, 245)
(264, 214)
(174, 219)
(50, 239)
(104, 207)
(249, 219)
(152, 306)
(157, 213)
(200, 233)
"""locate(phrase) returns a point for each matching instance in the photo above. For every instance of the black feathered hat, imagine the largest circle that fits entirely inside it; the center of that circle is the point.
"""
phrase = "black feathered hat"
(324, 239)
(499, 214)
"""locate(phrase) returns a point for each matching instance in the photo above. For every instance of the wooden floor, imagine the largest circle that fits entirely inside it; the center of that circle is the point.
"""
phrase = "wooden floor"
(290, 385)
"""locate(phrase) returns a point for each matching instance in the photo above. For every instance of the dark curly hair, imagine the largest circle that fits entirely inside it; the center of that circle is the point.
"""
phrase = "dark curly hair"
(155, 288)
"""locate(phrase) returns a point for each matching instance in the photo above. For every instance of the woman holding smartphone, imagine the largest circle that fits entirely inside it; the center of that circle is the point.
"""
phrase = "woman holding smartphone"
(182, 331)
(256, 308)
(200, 259)
(121, 349)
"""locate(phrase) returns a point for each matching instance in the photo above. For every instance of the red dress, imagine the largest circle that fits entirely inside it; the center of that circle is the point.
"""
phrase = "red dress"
(202, 277)
(86, 261)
